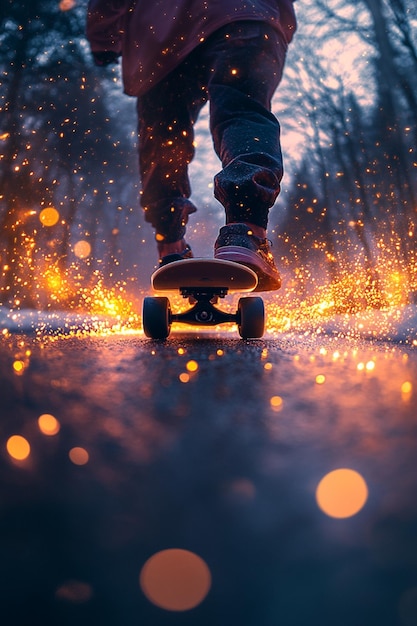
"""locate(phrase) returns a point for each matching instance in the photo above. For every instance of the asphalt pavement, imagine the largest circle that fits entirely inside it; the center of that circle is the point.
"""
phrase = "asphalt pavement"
(208, 480)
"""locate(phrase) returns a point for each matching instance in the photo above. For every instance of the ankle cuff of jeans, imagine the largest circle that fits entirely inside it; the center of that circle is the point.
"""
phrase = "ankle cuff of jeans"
(169, 218)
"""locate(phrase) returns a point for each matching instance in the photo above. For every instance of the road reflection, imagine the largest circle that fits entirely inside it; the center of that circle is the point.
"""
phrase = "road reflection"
(209, 481)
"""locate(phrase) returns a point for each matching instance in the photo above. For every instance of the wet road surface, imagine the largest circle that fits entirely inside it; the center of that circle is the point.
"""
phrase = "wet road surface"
(223, 450)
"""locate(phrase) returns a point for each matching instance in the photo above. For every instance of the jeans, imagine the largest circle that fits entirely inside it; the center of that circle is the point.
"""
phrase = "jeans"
(237, 71)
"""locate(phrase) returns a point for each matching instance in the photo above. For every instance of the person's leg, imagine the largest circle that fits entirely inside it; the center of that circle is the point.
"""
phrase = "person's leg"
(247, 60)
(166, 116)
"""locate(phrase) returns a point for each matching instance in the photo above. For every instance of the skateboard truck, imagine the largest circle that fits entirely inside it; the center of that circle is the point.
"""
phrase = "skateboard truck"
(203, 311)
(199, 280)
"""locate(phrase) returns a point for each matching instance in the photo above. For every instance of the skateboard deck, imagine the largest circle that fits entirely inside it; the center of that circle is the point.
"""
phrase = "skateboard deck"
(203, 282)
(204, 273)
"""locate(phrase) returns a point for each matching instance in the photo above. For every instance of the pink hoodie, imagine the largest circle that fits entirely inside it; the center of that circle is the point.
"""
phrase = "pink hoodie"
(154, 36)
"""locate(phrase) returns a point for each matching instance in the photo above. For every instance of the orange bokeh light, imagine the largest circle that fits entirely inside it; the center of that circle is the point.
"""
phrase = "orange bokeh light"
(406, 388)
(175, 579)
(18, 447)
(342, 493)
(82, 249)
(18, 367)
(48, 424)
(74, 591)
(49, 216)
(79, 456)
(276, 403)
(66, 5)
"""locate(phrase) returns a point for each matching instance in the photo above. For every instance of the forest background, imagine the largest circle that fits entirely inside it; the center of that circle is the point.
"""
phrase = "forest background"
(344, 228)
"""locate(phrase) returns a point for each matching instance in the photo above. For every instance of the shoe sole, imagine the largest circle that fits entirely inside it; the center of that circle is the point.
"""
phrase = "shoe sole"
(267, 279)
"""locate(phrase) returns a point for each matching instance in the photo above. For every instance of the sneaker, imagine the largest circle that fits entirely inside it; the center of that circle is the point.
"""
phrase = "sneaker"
(237, 243)
(176, 256)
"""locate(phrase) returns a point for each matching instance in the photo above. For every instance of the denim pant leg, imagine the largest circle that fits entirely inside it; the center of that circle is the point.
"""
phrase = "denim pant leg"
(247, 60)
(166, 116)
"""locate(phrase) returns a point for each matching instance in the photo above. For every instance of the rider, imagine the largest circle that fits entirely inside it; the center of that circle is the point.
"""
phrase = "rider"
(176, 56)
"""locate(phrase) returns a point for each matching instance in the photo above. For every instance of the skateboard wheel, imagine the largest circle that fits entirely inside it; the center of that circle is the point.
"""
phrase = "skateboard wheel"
(156, 317)
(251, 318)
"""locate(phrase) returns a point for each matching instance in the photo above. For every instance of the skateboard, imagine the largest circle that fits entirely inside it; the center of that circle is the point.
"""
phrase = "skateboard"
(203, 282)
